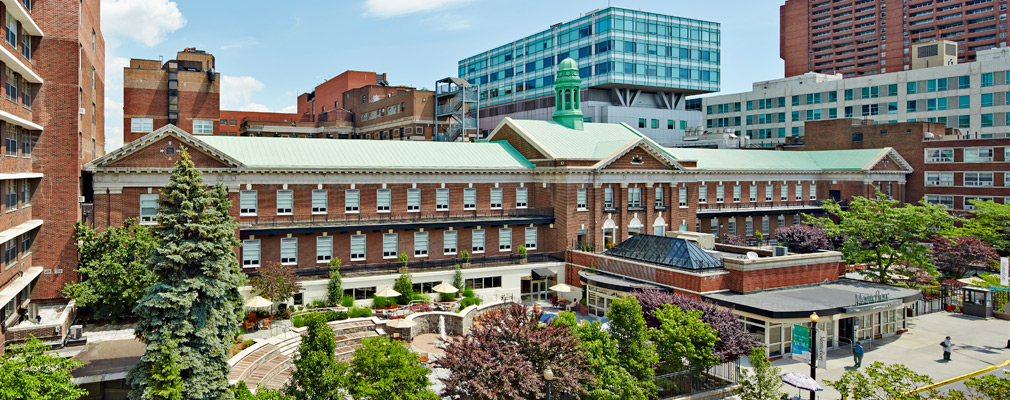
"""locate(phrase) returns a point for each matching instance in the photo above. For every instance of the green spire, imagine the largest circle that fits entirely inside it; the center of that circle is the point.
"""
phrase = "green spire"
(567, 100)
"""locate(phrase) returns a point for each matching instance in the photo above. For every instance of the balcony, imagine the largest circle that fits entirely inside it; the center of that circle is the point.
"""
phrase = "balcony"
(314, 223)
(350, 270)
(715, 210)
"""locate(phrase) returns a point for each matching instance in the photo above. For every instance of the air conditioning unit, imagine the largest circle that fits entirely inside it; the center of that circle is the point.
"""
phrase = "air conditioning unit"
(81, 111)
(76, 331)
(80, 199)
(780, 251)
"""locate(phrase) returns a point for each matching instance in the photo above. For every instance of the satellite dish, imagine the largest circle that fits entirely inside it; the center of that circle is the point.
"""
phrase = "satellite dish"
(752, 255)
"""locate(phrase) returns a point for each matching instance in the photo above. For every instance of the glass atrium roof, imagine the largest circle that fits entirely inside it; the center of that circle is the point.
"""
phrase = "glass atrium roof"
(665, 251)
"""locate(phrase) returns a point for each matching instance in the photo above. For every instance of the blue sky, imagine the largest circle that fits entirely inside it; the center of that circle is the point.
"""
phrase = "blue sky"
(268, 52)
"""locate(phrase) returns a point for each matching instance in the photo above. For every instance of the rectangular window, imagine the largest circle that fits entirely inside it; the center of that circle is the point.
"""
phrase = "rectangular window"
(634, 197)
(660, 200)
(682, 196)
(247, 202)
(737, 189)
(703, 194)
(203, 127)
(782, 221)
(720, 193)
(441, 199)
(469, 199)
(987, 79)
(986, 100)
(383, 200)
(964, 82)
(420, 244)
(964, 121)
(784, 192)
(251, 253)
(520, 198)
(939, 179)
(389, 245)
(414, 200)
(496, 198)
(911, 88)
(319, 201)
(531, 238)
(581, 203)
(813, 191)
(505, 239)
(289, 251)
(352, 198)
(324, 249)
(285, 202)
(731, 227)
(141, 124)
(978, 179)
(963, 101)
(148, 208)
(752, 193)
(978, 155)
(799, 191)
(449, 242)
(357, 247)
(27, 143)
(608, 198)
(477, 241)
(769, 190)
(947, 201)
(26, 193)
(939, 155)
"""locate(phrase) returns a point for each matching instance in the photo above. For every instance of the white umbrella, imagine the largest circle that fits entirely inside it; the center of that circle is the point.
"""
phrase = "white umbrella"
(400, 323)
(562, 288)
(257, 302)
(445, 288)
(388, 292)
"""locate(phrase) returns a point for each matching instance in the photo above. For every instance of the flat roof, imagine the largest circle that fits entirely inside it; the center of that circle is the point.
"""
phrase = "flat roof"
(107, 360)
(825, 299)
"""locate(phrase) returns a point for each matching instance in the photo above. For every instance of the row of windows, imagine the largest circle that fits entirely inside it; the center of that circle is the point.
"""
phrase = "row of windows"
(16, 138)
(390, 246)
(249, 202)
(968, 179)
(752, 192)
(15, 190)
(731, 225)
(948, 200)
(670, 124)
(200, 126)
(969, 155)
(21, 244)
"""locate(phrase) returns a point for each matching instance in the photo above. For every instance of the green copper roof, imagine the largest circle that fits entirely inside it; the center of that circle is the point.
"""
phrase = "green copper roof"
(594, 142)
(738, 159)
(271, 152)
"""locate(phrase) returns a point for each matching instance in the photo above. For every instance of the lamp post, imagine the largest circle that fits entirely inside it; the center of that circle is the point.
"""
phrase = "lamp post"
(548, 376)
(813, 351)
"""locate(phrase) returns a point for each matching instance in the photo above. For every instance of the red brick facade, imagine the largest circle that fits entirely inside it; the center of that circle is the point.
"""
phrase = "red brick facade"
(148, 89)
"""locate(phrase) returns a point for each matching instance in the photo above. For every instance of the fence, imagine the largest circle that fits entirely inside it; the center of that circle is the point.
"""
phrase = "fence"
(937, 298)
(689, 381)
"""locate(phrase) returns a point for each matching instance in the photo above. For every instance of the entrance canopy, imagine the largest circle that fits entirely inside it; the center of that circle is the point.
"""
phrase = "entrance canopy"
(612, 282)
(842, 296)
(542, 273)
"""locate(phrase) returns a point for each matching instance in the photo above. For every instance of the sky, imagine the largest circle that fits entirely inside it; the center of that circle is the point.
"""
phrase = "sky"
(268, 52)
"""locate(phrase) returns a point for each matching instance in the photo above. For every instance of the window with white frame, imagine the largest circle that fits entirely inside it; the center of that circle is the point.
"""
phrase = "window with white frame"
(968, 201)
(947, 201)
(383, 200)
(797, 219)
(285, 202)
(939, 155)
(441, 199)
(496, 198)
(414, 200)
(634, 197)
(389, 245)
(505, 239)
(737, 189)
(682, 196)
(247, 202)
(813, 191)
(978, 179)
(148, 208)
(357, 247)
(203, 127)
(319, 201)
(251, 253)
(352, 200)
(608, 197)
(581, 199)
(420, 244)
(324, 249)
(521, 198)
(289, 251)
(477, 241)
(469, 199)
(752, 194)
(798, 187)
(765, 225)
(940, 179)
(978, 154)
(660, 198)
(769, 191)
(731, 227)
(720, 193)
(749, 226)
(784, 189)
(449, 242)
(782, 221)
(703, 194)
(531, 238)
(141, 124)
(713, 227)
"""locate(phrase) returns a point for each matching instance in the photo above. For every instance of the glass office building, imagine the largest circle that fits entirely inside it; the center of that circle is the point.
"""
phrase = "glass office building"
(636, 67)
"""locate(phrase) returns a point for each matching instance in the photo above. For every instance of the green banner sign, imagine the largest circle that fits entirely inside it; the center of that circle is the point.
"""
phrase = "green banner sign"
(801, 343)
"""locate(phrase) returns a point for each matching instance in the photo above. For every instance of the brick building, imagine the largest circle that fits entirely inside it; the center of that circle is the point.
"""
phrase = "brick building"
(329, 95)
(53, 71)
(185, 92)
(850, 37)
(391, 112)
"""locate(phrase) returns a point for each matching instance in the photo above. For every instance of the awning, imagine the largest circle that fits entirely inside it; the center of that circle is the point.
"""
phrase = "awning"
(19, 284)
(20, 175)
(19, 229)
(542, 273)
(612, 282)
(843, 296)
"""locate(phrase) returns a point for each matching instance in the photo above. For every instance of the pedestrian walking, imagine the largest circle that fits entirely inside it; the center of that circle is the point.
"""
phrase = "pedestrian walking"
(947, 348)
(857, 354)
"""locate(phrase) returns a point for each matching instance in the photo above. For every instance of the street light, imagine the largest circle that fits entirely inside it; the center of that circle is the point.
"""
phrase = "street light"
(548, 376)
(813, 351)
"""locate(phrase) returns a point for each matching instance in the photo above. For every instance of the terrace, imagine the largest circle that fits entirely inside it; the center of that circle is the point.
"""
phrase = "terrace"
(347, 222)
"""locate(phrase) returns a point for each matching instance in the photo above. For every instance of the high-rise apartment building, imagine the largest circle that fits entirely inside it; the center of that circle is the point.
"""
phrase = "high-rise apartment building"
(184, 92)
(866, 37)
(52, 62)
(636, 67)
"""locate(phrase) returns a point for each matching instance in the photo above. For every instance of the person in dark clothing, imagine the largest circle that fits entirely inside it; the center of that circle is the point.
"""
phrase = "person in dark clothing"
(947, 348)
(857, 354)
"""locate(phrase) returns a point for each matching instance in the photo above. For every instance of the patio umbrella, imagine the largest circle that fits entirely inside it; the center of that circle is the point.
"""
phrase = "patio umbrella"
(801, 381)
(257, 302)
(400, 323)
(445, 288)
(561, 288)
(388, 292)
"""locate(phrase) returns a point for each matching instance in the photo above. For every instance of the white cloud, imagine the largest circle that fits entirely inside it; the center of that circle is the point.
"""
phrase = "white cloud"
(290, 109)
(395, 8)
(241, 43)
(446, 22)
(237, 93)
(113, 124)
(145, 21)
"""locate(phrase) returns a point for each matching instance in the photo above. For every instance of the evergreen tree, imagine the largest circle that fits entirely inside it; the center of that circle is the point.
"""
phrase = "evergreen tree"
(405, 286)
(165, 383)
(194, 302)
(334, 289)
(457, 279)
(318, 375)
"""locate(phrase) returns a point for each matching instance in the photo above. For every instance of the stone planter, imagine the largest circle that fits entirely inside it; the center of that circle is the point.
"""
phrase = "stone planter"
(401, 270)
(522, 261)
(583, 309)
(465, 265)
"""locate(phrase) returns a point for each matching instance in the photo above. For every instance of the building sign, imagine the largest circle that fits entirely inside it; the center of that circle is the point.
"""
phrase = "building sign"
(887, 305)
(1004, 272)
(801, 343)
(822, 349)
(863, 298)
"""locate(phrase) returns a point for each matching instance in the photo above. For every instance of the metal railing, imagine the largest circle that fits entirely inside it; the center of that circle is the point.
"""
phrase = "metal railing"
(357, 218)
(392, 267)
(692, 381)
(751, 206)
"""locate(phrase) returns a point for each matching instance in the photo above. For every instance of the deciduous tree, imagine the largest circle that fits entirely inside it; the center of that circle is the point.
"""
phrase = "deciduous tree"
(28, 373)
(194, 302)
(762, 381)
(635, 352)
(405, 286)
(277, 282)
(611, 382)
(881, 382)
(334, 289)
(803, 238)
(884, 235)
(734, 340)
(682, 340)
(382, 369)
(318, 375)
(956, 256)
(114, 268)
(990, 222)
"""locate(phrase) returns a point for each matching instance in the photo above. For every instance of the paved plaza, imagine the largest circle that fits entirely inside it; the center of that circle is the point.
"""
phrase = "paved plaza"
(977, 344)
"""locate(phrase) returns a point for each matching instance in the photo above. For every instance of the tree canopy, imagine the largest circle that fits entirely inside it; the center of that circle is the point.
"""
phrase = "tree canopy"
(317, 375)
(734, 340)
(277, 282)
(803, 238)
(761, 381)
(956, 256)
(635, 352)
(881, 382)
(382, 369)
(334, 289)
(683, 340)
(990, 222)
(28, 373)
(611, 381)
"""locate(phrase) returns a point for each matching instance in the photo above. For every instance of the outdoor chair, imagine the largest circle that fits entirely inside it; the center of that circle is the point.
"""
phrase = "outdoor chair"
(248, 325)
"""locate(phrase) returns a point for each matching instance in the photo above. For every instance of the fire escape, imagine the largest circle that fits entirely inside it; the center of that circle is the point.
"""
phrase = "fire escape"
(456, 105)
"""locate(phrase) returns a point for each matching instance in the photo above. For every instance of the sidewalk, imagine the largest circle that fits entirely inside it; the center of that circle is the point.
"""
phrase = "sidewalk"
(977, 344)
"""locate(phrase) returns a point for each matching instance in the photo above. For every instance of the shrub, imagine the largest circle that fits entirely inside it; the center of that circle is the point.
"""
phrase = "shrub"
(522, 252)
(733, 240)
(803, 238)
(359, 312)
(405, 286)
(318, 304)
(330, 315)
(420, 297)
(247, 343)
(401, 260)
(298, 321)
(469, 301)
(380, 302)
(347, 301)
(465, 256)
(447, 296)
(468, 292)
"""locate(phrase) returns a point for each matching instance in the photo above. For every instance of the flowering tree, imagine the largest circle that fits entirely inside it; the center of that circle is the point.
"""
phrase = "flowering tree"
(506, 357)
(803, 238)
(956, 256)
(733, 342)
